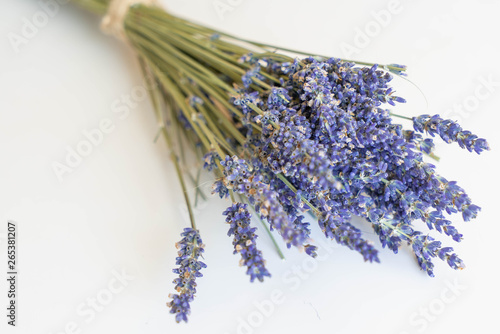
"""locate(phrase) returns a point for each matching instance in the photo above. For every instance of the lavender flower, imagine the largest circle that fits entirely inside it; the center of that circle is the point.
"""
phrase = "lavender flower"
(190, 249)
(346, 234)
(241, 180)
(425, 248)
(424, 145)
(450, 132)
(238, 217)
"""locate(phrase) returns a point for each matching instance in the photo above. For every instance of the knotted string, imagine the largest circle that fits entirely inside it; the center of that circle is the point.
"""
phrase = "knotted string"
(112, 22)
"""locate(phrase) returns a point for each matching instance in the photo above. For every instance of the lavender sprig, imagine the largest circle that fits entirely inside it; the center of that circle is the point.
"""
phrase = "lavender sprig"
(346, 234)
(238, 178)
(244, 241)
(450, 131)
(190, 249)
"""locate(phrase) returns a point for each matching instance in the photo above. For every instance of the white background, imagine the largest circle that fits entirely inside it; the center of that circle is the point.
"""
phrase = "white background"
(121, 208)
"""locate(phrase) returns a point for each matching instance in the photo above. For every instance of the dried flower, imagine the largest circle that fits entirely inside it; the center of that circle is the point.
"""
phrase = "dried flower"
(238, 218)
(450, 132)
(190, 249)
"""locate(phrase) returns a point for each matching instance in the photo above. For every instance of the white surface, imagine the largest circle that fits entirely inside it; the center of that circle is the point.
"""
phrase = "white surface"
(120, 209)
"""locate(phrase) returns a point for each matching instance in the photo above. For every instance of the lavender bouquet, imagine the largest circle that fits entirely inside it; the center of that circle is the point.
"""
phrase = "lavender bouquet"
(287, 135)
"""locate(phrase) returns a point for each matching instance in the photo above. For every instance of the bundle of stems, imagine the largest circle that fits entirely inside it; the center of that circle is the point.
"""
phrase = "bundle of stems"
(285, 135)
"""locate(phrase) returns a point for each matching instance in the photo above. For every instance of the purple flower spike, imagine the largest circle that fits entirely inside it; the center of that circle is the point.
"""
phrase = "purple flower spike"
(238, 217)
(190, 249)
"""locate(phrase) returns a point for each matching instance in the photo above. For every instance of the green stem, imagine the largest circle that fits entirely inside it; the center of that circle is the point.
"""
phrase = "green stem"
(173, 157)
(401, 116)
